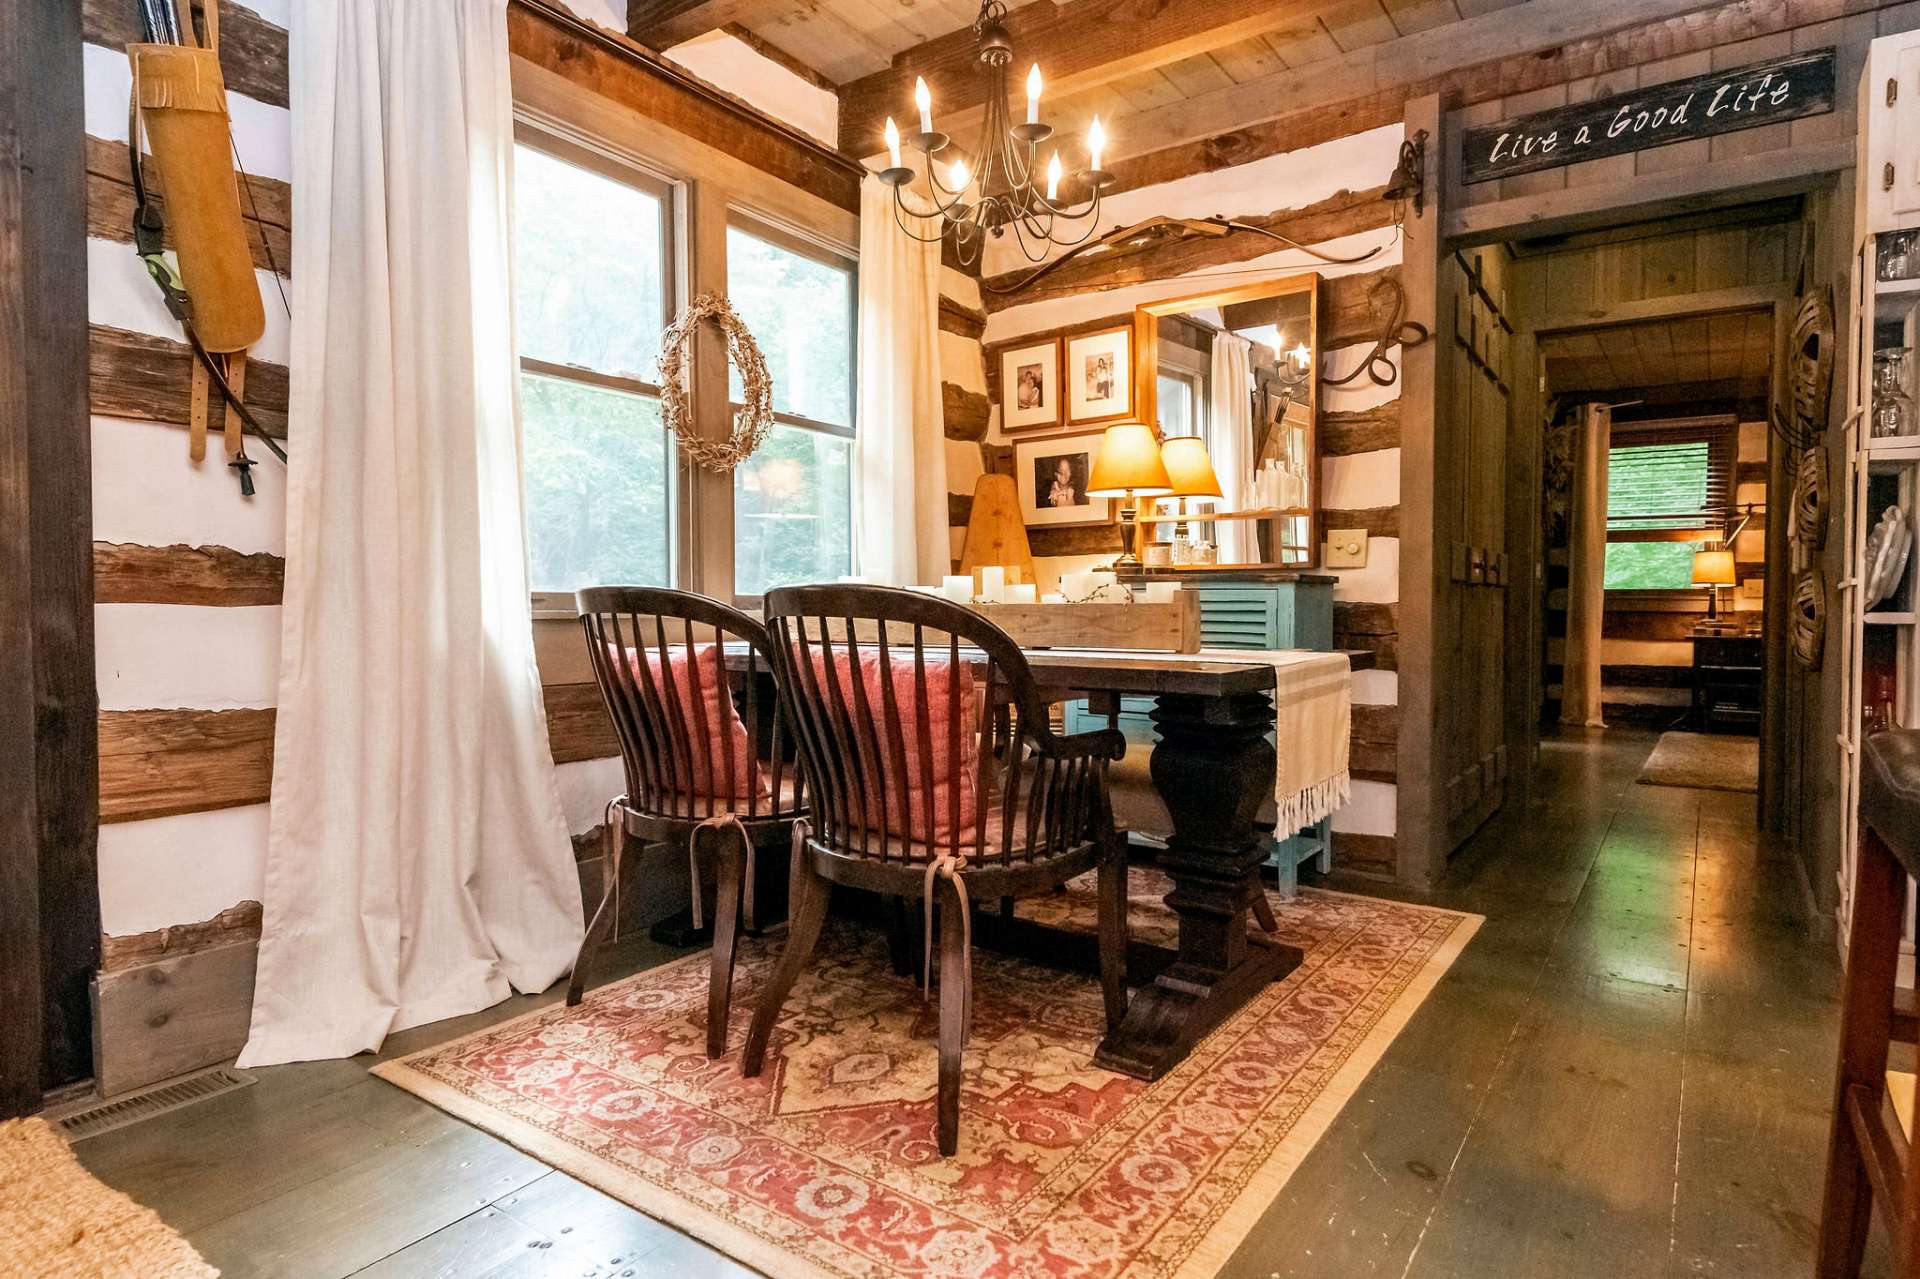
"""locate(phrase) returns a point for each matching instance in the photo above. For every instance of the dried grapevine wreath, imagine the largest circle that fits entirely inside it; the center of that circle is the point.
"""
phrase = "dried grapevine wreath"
(755, 418)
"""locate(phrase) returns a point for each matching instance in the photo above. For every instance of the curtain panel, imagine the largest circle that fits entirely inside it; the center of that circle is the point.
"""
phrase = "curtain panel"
(900, 451)
(418, 864)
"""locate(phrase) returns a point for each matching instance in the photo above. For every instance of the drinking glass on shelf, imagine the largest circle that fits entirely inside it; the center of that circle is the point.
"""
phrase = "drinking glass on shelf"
(1895, 255)
(1892, 406)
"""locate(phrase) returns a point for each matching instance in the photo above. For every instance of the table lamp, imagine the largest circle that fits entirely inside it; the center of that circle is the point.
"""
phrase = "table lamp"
(1713, 569)
(1191, 471)
(1129, 468)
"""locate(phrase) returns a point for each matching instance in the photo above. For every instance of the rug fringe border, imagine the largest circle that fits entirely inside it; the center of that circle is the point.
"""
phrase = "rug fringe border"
(1206, 1260)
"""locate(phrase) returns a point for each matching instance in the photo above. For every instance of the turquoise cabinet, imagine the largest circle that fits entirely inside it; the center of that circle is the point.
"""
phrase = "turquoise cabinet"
(1294, 613)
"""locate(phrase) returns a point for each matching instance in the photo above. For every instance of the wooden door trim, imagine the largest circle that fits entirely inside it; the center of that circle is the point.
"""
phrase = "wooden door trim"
(49, 894)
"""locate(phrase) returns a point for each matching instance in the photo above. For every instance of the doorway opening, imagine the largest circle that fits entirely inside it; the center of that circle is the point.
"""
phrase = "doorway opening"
(1610, 389)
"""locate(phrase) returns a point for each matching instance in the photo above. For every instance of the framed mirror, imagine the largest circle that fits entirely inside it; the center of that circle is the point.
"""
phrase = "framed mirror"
(1236, 369)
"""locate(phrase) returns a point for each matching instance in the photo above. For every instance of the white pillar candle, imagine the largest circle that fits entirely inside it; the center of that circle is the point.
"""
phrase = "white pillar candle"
(958, 589)
(1022, 593)
(1162, 592)
(1076, 586)
(1053, 597)
(993, 583)
(1103, 583)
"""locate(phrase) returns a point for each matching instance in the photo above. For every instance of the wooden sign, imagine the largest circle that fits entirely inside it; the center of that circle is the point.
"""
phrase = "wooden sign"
(1700, 107)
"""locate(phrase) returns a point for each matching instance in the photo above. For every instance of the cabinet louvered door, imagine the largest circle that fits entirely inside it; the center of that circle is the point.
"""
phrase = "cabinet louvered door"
(1239, 618)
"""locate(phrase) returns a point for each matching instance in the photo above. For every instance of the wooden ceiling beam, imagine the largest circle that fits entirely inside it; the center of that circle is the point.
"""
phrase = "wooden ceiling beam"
(1078, 46)
(661, 24)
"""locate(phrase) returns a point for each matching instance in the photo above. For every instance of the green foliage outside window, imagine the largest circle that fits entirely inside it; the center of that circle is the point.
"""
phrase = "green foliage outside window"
(1656, 486)
(793, 511)
(597, 478)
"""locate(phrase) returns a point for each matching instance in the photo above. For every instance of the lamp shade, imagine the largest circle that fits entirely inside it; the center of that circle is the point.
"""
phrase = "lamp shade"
(1189, 467)
(1129, 463)
(1713, 568)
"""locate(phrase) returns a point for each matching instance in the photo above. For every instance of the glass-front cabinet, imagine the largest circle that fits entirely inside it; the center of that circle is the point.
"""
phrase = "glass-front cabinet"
(1879, 492)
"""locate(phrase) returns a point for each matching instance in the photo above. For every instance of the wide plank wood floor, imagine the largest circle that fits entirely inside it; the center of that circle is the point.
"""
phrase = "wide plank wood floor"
(1626, 1074)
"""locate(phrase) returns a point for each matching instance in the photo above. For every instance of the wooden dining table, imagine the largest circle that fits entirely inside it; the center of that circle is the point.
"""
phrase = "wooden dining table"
(1214, 768)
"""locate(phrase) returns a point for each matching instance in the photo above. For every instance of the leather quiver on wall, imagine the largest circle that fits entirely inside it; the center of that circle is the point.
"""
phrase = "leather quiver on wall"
(182, 100)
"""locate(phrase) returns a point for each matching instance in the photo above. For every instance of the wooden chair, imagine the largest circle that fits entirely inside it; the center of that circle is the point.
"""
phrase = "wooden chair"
(1869, 1155)
(656, 654)
(901, 702)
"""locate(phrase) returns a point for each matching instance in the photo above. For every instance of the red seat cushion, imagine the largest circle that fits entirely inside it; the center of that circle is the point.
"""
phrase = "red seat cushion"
(705, 737)
(906, 806)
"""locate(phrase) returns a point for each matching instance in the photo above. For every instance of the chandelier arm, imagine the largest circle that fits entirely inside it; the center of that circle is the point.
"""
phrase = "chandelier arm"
(901, 213)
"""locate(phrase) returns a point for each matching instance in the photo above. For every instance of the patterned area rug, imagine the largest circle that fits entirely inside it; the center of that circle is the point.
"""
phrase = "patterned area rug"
(58, 1221)
(826, 1164)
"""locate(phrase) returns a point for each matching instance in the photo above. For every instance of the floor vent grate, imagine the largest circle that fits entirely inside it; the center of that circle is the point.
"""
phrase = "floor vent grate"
(125, 1111)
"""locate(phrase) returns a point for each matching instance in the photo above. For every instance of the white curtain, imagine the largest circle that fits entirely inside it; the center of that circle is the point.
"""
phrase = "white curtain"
(900, 447)
(1230, 423)
(1586, 570)
(418, 866)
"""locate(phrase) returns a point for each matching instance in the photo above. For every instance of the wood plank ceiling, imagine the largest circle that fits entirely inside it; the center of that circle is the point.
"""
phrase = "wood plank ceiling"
(1694, 358)
(845, 40)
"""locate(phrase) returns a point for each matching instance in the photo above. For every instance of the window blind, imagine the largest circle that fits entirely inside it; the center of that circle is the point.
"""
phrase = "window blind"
(1664, 481)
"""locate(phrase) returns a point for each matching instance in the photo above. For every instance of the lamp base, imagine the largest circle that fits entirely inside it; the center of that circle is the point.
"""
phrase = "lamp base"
(1129, 513)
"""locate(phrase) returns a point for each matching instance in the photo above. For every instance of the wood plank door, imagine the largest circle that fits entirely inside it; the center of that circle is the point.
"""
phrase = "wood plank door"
(1471, 758)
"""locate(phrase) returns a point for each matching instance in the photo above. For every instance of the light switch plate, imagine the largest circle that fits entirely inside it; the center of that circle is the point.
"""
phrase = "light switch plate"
(1346, 548)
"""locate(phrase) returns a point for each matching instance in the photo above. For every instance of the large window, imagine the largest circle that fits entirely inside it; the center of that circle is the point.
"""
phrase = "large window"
(1668, 492)
(592, 288)
(793, 500)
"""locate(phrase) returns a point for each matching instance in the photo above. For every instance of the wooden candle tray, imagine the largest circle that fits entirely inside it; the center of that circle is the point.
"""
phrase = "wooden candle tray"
(1171, 627)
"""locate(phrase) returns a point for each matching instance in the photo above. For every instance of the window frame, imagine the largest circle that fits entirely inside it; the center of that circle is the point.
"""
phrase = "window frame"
(572, 148)
(781, 236)
(1721, 434)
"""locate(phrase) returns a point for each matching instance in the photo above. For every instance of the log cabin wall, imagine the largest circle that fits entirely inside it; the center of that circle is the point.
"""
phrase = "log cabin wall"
(1327, 196)
(188, 574)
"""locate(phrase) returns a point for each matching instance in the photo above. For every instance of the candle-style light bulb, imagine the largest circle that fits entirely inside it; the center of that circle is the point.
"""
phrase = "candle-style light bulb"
(1053, 178)
(1096, 143)
(923, 98)
(1033, 95)
(1301, 357)
(959, 177)
(893, 144)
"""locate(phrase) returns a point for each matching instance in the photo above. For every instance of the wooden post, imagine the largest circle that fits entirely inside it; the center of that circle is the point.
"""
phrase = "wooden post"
(1419, 856)
(49, 897)
(707, 521)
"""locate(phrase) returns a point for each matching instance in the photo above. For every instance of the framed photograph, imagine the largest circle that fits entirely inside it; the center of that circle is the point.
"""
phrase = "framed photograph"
(1052, 473)
(1030, 387)
(1099, 376)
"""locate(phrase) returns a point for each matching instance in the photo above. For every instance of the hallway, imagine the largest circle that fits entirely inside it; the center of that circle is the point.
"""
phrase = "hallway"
(1626, 1074)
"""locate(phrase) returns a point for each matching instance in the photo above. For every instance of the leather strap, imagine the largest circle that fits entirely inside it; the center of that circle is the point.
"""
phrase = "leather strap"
(948, 866)
(721, 821)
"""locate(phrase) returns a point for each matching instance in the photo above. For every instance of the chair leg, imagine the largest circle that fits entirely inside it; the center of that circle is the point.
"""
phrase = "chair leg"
(902, 937)
(809, 912)
(730, 868)
(613, 849)
(1263, 910)
(956, 961)
(1110, 888)
(1866, 1024)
